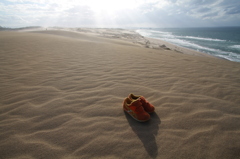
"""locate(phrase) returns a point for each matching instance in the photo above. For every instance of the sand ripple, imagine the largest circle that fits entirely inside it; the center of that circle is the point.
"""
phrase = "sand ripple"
(61, 97)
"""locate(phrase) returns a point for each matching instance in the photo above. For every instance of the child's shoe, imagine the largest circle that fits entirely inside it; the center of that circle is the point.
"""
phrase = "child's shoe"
(146, 105)
(135, 109)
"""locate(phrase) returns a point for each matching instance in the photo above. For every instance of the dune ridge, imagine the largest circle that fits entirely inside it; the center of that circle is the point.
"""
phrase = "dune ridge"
(62, 92)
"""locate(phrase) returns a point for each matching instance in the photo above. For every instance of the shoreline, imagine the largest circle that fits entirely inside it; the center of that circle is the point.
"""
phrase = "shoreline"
(128, 35)
(156, 43)
(161, 44)
(217, 44)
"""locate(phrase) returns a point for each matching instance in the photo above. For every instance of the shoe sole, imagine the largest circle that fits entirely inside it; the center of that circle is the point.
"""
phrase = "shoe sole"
(134, 117)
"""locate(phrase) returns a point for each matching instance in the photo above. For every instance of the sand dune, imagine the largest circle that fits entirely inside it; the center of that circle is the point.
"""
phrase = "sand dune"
(61, 97)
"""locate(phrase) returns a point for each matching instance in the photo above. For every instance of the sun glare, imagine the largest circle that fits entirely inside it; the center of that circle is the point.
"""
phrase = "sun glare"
(110, 5)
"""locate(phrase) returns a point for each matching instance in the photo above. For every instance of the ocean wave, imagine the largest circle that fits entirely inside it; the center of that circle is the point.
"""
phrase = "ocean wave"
(144, 33)
(152, 33)
(235, 47)
(191, 43)
(178, 40)
(214, 52)
(160, 32)
(170, 35)
(201, 38)
(229, 56)
(188, 44)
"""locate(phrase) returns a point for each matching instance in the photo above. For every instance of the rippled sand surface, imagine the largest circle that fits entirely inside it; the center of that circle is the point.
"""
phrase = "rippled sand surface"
(62, 92)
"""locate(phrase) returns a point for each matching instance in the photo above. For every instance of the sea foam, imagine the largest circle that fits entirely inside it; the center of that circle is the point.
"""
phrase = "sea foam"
(211, 41)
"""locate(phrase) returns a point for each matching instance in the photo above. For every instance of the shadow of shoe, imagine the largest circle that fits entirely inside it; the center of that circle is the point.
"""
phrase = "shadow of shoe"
(146, 132)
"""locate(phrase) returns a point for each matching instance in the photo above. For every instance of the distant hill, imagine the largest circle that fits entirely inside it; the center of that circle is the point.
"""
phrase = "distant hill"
(21, 28)
(3, 28)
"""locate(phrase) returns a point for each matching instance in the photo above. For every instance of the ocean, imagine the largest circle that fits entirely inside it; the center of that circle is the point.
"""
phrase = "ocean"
(223, 42)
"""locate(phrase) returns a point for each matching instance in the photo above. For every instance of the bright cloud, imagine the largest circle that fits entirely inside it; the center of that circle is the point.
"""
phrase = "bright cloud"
(120, 13)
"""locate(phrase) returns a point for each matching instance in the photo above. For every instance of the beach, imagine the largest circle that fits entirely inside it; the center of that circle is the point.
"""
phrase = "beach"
(222, 42)
(62, 92)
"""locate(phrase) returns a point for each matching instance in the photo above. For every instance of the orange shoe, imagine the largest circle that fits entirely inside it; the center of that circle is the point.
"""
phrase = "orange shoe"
(146, 105)
(135, 109)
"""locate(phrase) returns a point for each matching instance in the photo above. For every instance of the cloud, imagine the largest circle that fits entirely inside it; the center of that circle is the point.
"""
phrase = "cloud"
(232, 10)
(231, 7)
(108, 13)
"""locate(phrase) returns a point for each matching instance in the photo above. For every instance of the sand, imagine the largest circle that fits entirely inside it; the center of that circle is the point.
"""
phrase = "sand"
(62, 92)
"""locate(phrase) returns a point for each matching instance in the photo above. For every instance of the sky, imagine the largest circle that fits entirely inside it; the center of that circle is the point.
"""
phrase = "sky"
(120, 13)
